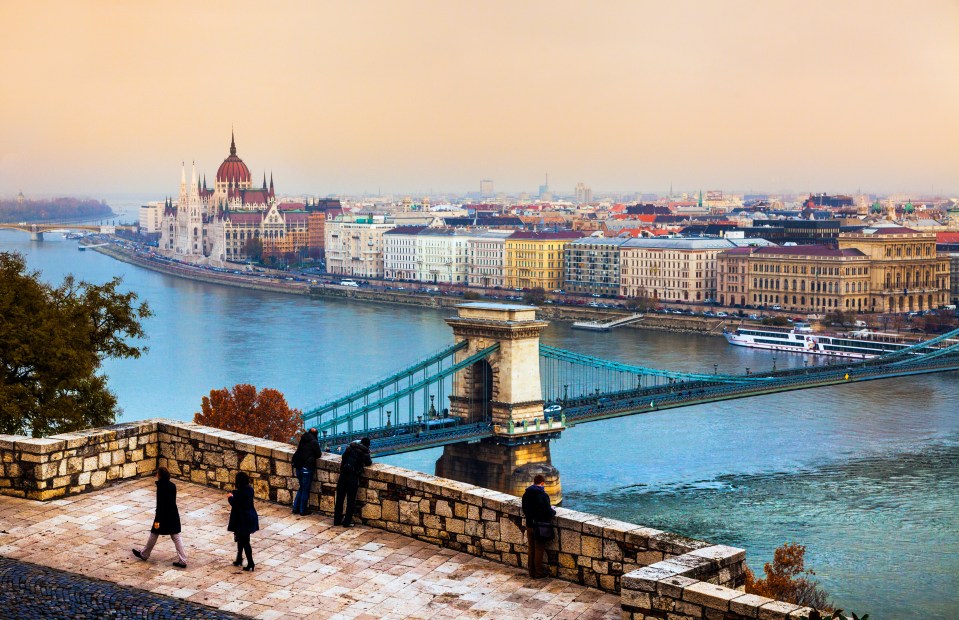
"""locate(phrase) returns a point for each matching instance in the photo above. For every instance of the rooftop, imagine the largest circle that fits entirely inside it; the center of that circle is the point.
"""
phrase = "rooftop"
(306, 567)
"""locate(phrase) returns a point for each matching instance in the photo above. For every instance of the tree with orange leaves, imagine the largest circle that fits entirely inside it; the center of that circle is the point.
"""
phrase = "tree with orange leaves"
(787, 579)
(243, 410)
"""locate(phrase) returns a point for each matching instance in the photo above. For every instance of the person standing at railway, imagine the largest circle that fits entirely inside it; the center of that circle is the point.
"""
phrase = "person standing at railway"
(539, 529)
(355, 458)
(243, 520)
(166, 520)
(304, 467)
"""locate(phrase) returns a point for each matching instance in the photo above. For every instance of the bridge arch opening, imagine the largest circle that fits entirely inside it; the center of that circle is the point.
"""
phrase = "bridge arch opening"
(479, 392)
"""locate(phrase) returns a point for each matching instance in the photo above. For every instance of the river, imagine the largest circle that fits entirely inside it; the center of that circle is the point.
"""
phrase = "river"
(865, 475)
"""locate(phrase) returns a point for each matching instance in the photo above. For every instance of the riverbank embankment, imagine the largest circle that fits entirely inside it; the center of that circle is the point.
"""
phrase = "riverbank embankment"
(275, 283)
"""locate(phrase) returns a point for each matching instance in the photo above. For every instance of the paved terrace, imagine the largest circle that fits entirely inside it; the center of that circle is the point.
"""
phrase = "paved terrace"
(305, 566)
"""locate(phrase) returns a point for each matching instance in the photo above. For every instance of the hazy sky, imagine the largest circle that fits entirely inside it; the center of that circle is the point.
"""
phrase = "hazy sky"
(408, 97)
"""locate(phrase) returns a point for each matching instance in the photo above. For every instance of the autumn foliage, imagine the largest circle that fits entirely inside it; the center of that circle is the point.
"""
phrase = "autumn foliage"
(243, 410)
(787, 579)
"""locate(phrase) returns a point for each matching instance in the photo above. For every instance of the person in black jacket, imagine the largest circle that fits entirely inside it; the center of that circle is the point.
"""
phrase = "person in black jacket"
(536, 509)
(304, 467)
(355, 458)
(243, 519)
(166, 521)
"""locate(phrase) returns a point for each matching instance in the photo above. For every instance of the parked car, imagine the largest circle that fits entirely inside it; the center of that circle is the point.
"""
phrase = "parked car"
(553, 410)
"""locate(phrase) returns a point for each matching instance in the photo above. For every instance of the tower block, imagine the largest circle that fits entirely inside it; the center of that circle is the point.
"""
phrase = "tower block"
(504, 389)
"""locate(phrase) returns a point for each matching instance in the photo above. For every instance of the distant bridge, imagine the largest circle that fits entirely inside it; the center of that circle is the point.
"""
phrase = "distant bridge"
(37, 229)
(467, 392)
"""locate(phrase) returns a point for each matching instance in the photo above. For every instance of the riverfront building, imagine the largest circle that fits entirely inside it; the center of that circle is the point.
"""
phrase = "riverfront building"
(231, 219)
(354, 245)
(906, 272)
(487, 258)
(535, 259)
(592, 266)
(671, 269)
(801, 278)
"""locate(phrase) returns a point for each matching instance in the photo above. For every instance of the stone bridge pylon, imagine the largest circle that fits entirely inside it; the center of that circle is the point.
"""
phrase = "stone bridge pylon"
(505, 390)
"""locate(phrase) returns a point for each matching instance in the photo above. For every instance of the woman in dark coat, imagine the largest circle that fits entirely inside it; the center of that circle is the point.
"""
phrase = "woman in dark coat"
(243, 520)
(166, 521)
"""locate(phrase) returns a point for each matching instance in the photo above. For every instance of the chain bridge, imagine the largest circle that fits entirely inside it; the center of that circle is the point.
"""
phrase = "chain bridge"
(497, 396)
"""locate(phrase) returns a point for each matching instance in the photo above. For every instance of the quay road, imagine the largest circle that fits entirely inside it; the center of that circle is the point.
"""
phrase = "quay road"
(407, 438)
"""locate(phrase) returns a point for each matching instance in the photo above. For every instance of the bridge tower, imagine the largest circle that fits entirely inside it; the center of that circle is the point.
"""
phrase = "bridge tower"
(504, 389)
(36, 233)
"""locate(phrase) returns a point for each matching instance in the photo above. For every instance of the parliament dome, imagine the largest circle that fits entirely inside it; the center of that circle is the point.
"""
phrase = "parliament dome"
(233, 170)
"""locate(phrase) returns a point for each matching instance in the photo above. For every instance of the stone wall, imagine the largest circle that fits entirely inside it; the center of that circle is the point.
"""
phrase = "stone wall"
(678, 589)
(590, 550)
(50, 467)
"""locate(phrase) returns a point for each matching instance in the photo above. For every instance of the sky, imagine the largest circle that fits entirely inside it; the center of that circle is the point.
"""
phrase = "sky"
(418, 97)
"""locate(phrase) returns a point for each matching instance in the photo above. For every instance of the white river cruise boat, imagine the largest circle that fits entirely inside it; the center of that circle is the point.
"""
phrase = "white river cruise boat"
(861, 344)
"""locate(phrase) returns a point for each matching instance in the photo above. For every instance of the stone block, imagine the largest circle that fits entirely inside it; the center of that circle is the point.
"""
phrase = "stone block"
(443, 508)
(371, 511)
(636, 598)
(612, 551)
(709, 595)
(409, 512)
(432, 521)
(84, 478)
(748, 605)
(567, 560)
(284, 468)
(129, 470)
(61, 481)
(146, 466)
(673, 586)
(98, 478)
(592, 546)
(105, 459)
(456, 526)
(570, 542)
(151, 450)
(721, 554)
(777, 610)
(391, 511)
(262, 465)
(248, 463)
(284, 496)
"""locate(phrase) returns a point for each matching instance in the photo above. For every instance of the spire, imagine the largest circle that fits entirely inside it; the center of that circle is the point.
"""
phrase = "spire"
(204, 181)
(264, 179)
(182, 174)
(193, 178)
(232, 144)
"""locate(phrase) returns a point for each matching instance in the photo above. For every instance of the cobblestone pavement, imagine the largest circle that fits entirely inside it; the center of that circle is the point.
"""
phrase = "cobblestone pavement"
(304, 565)
(30, 592)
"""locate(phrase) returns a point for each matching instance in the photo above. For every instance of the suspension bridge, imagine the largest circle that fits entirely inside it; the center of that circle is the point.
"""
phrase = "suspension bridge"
(489, 389)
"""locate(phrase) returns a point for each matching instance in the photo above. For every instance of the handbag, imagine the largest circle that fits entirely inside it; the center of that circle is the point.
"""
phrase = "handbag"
(543, 531)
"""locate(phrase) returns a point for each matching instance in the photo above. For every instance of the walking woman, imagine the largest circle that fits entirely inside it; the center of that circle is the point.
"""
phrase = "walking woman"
(166, 521)
(243, 520)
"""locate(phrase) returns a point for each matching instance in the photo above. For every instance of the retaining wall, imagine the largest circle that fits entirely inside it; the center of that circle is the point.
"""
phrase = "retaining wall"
(594, 551)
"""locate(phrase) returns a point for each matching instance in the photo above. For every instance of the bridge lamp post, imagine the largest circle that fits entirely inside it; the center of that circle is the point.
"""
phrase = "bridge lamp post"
(774, 363)
(388, 412)
(747, 370)
(805, 365)
(565, 393)
(715, 369)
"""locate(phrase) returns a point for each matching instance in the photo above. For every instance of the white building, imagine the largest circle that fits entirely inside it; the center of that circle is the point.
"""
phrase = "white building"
(399, 252)
(487, 258)
(151, 217)
(354, 245)
(441, 255)
(671, 269)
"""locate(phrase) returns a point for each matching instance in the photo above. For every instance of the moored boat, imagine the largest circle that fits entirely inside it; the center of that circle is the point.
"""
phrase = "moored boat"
(862, 344)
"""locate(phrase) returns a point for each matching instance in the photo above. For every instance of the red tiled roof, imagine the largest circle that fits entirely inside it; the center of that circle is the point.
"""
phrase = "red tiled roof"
(290, 206)
(296, 217)
(254, 196)
(947, 237)
(246, 218)
(543, 236)
(807, 250)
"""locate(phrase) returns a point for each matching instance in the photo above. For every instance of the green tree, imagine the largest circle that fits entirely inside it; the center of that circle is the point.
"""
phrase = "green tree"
(642, 302)
(53, 341)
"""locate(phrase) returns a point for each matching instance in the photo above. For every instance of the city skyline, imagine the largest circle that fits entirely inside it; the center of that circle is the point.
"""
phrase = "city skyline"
(424, 97)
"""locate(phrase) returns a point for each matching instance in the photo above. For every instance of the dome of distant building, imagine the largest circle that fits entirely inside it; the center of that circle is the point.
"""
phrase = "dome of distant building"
(909, 208)
(233, 170)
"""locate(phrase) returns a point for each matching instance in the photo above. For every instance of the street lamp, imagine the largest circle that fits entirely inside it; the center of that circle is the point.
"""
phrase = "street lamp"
(747, 370)
(388, 412)
(565, 393)
(715, 369)
(774, 363)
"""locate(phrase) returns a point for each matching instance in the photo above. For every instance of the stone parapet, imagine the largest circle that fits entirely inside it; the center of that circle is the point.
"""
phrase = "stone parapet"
(702, 584)
(590, 550)
(44, 468)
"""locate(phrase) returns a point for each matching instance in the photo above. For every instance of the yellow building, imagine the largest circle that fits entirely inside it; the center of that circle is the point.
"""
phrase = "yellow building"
(535, 259)
(906, 273)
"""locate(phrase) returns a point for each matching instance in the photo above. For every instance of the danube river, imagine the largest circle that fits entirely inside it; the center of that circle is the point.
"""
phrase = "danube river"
(865, 475)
